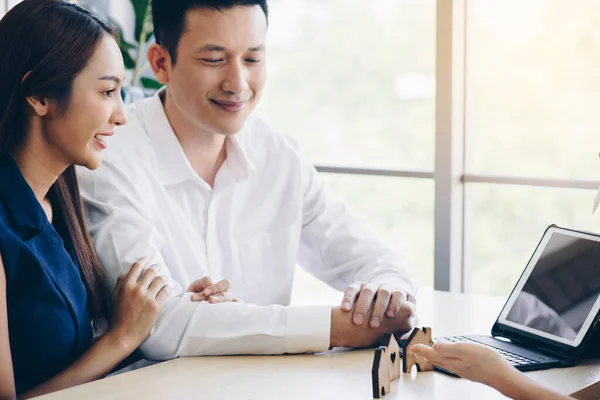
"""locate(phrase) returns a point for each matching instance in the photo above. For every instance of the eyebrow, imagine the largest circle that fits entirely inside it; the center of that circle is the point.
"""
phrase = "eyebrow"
(110, 78)
(214, 47)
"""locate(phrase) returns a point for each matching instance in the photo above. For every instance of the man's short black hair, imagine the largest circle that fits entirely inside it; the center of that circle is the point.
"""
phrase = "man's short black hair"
(169, 17)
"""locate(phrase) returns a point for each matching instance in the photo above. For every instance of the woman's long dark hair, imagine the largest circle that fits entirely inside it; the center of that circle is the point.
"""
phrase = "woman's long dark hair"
(44, 45)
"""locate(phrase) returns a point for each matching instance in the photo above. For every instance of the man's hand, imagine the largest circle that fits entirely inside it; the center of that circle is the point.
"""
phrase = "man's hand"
(388, 301)
(344, 333)
(204, 290)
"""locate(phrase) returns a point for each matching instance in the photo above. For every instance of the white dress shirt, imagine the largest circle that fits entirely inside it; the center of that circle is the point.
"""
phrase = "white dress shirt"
(269, 209)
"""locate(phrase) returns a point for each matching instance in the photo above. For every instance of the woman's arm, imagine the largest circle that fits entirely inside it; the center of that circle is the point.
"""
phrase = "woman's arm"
(7, 379)
(137, 300)
(481, 364)
(97, 362)
(523, 388)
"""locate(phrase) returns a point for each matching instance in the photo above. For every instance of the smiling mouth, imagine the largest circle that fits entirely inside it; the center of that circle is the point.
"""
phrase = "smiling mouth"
(100, 141)
(230, 106)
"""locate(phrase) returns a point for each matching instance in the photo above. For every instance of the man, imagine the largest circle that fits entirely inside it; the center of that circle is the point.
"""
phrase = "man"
(202, 188)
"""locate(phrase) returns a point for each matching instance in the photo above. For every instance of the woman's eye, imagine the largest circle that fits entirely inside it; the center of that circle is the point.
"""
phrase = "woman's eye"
(253, 60)
(212, 60)
(109, 93)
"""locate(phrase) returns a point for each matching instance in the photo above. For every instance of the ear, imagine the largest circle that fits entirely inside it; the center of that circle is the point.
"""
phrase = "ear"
(160, 62)
(38, 105)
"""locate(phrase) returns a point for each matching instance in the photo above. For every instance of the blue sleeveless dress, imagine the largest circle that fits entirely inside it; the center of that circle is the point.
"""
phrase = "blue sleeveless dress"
(48, 321)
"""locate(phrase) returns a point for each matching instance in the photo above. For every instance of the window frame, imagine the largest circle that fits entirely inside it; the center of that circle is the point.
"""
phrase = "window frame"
(452, 224)
(452, 219)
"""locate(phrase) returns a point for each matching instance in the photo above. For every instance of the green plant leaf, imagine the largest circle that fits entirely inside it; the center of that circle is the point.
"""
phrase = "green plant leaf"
(127, 59)
(150, 83)
(126, 45)
(139, 6)
(123, 44)
(149, 27)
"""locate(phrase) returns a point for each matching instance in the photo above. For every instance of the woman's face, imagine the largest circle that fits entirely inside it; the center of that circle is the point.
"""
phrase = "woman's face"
(78, 134)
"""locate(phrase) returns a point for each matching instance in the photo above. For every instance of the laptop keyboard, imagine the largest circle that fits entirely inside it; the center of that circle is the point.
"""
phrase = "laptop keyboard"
(512, 358)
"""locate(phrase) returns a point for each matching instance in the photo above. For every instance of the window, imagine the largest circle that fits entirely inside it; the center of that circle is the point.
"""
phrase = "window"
(456, 130)
(532, 111)
(354, 84)
(533, 83)
(507, 224)
(398, 211)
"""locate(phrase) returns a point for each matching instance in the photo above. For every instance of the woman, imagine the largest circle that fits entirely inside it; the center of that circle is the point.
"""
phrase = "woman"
(482, 364)
(60, 77)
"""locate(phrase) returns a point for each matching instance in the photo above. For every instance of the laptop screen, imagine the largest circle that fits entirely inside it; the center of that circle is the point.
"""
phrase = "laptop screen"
(558, 294)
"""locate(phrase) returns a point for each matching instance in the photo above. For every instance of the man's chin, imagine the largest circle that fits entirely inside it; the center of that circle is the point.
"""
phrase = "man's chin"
(229, 130)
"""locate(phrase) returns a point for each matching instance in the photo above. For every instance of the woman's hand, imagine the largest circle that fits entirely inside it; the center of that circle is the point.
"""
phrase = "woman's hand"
(482, 364)
(470, 361)
(138, 298)
(204, 290)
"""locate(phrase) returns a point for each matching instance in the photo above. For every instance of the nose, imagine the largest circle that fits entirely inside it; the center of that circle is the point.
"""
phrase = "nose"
(119, 115)
(236, 78)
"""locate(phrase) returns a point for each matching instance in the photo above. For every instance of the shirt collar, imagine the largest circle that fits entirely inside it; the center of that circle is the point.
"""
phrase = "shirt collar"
(240, 164)
(18, 198)
(174, 167)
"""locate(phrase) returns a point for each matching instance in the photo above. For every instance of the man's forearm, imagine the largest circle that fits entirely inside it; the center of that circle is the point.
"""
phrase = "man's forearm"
(187, 328)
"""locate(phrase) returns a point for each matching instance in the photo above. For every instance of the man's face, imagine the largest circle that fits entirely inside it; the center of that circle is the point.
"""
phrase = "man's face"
(220, 71)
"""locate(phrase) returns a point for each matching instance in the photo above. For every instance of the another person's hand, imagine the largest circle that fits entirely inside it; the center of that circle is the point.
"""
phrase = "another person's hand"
(205, 290)
(138, 297)
(345, 333)
(484, 365)
(470, 361)
(387, 300)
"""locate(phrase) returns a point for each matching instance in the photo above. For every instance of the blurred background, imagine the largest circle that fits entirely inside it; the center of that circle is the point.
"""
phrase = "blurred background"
(354, 83)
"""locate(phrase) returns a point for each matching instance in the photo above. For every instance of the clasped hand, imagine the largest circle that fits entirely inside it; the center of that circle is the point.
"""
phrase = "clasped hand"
(205, 290)
(385, 300)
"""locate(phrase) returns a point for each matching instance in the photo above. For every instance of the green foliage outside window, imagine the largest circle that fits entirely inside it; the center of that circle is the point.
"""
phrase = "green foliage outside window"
(134, 54)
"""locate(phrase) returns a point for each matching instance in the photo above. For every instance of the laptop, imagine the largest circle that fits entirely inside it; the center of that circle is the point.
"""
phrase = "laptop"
(550, 316)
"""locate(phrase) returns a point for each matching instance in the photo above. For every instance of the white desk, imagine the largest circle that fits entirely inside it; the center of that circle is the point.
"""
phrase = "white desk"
(338, 374)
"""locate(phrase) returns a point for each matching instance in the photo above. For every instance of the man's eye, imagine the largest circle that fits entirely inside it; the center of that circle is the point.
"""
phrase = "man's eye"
(253, 60)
